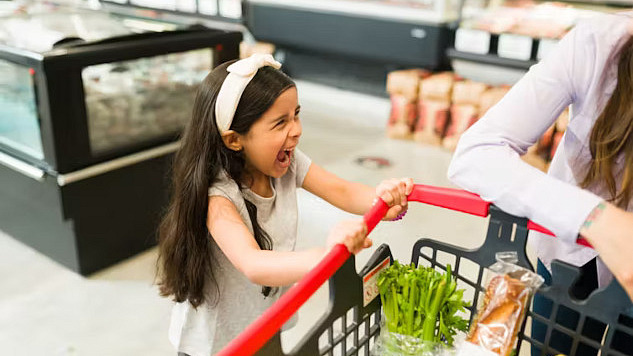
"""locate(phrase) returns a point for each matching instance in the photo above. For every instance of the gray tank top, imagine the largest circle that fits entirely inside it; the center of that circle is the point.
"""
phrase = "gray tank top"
(207, 329)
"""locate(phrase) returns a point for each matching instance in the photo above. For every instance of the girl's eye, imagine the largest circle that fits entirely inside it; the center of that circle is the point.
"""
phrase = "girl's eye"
(280, 123)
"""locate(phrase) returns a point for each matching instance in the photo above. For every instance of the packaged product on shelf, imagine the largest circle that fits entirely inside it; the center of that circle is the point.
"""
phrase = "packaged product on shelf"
(432, 120)
(402, 118)
(558, 136)
(437, 87)
(500, 316)
(466, 97)
(491, 97)
(468, 92)
(463, 116)
(423, 311)
(247, 49)
(562, 121)
(405, 82)
(545, 142)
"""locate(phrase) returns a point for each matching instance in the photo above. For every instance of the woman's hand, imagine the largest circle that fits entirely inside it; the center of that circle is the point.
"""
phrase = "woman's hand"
(352, 234)
(610, 231)
(394, 192)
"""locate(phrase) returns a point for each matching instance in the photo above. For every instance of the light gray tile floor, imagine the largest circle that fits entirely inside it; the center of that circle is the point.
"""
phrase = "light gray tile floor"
(47, 310)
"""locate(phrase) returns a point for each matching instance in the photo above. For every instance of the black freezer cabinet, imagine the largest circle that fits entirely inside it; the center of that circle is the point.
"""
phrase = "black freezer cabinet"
(91, 106)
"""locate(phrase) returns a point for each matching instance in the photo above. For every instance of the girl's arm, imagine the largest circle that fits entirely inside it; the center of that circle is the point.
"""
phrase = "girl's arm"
(272, 268)
(357, 198)
(610, 231)
(487, 160)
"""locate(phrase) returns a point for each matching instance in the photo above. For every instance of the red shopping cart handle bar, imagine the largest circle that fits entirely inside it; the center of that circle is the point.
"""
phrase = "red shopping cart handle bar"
(264, 327)
(466, 202)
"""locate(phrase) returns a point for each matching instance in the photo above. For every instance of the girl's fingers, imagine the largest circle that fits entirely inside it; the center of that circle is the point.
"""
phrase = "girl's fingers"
(408, 182)
(402, 188)
(388, 198)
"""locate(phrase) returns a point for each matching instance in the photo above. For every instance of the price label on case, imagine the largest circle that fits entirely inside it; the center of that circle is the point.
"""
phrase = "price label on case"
(515, 47)
(370, 281)
(472, 41)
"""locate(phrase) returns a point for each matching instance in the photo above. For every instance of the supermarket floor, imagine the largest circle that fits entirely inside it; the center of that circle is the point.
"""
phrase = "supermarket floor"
(47, 310)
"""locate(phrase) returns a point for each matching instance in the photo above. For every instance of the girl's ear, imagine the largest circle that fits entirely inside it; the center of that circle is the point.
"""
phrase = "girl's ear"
(232, 140)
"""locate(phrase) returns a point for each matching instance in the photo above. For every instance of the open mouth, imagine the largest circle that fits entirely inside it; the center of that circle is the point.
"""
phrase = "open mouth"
(283, 157)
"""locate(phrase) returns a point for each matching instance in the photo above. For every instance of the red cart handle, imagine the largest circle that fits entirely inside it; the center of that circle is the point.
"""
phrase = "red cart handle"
(264, 327)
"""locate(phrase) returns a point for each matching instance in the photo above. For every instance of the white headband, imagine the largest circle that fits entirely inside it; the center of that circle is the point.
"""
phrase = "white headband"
(240, 74)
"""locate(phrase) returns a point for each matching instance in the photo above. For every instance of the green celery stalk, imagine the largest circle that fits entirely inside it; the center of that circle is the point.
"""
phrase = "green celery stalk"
(430, 319)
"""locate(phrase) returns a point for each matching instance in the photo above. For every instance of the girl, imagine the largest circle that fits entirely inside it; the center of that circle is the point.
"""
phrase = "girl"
(589, 186)
(226, 243)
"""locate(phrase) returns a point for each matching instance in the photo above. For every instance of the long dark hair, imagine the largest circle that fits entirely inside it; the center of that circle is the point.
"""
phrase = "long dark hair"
(186, 262)
(612, 135)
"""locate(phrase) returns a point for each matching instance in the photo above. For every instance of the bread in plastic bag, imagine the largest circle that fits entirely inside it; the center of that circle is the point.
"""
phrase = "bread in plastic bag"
(505, 303)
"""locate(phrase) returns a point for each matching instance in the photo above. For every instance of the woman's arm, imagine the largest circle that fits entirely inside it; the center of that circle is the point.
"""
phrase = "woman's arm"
(272, 268)
(487, 160)
(610, 231)
(357, 198)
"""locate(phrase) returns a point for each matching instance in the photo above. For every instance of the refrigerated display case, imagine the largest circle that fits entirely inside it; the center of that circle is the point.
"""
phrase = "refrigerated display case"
(498, 41)
(91, 107)
(339, 41)
(229, 11)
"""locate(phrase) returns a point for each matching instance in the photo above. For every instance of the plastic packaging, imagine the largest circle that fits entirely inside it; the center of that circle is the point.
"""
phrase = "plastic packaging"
(506, 300)
(394, 344)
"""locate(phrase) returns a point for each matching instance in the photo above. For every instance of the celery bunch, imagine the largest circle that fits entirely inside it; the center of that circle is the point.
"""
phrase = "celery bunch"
(422, 303)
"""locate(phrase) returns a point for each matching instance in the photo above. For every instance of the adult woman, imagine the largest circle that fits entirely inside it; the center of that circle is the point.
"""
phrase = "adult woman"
(589, 186)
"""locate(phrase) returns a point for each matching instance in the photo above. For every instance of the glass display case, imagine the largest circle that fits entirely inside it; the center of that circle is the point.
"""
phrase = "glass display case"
(222, 10)
(353, 44)
(142, 99)
(19, 121)
(91, 107)
(507, 37)
(87, 86)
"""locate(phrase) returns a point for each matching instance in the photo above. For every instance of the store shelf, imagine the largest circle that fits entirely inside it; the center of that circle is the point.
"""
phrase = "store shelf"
(491, 59)
(148, 9)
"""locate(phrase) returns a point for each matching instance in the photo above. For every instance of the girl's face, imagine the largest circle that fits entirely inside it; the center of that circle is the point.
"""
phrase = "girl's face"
(272, 139)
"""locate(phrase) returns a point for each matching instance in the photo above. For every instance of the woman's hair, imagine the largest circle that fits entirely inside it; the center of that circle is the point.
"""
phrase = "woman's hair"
(612, 136)
(186, 262)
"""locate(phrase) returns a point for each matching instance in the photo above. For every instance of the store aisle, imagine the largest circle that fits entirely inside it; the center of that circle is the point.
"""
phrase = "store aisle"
(48, 310)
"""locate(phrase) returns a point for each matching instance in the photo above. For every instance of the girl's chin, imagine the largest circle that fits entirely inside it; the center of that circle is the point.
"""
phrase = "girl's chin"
(278, 171)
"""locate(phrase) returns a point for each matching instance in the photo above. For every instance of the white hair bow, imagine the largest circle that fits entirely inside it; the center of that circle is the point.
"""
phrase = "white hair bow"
(240, 74)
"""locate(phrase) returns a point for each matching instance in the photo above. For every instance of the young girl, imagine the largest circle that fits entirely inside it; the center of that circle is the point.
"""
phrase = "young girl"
(588, 190)
(227, 241)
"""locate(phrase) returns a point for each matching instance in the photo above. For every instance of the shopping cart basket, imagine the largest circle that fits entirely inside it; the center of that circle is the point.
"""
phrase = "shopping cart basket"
(352, 322)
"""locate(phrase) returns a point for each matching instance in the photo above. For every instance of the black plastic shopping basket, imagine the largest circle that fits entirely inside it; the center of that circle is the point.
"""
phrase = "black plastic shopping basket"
(352, 322)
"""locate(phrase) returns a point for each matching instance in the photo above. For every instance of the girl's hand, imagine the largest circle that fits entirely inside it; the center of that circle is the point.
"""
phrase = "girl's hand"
(352, 234)
(394, 192)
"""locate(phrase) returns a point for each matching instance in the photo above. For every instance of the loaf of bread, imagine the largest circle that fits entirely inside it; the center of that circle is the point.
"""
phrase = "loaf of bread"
(402, 118)
(501, 315)
(468, 92)
(406, 83)
(437, 87)
(432, 121)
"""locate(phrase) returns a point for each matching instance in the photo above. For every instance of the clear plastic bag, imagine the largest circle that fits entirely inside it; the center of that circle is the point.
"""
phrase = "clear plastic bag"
(394, 344)
(506, 300)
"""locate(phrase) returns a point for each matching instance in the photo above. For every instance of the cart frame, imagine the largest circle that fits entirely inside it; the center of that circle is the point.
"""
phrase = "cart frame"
(350, 326)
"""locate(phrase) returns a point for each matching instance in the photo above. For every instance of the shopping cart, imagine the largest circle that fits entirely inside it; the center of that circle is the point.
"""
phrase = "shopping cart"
(352, 322)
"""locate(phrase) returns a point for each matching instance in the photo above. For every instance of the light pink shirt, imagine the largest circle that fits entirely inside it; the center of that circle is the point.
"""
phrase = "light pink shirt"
(582, 72)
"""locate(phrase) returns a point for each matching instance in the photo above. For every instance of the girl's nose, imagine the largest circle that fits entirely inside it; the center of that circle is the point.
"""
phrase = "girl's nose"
(296, 129)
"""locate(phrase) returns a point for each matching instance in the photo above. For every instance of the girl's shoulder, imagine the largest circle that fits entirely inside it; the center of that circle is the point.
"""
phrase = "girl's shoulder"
(224, 186)
(299, 166)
